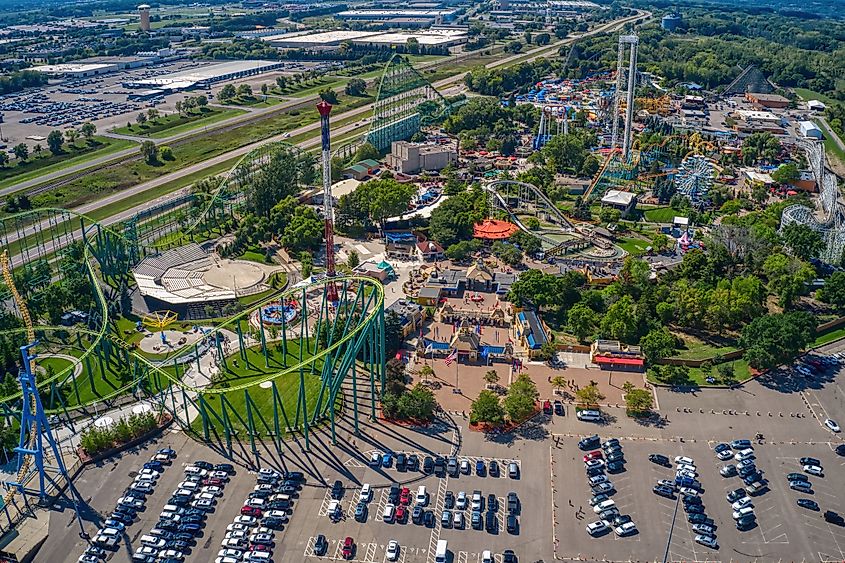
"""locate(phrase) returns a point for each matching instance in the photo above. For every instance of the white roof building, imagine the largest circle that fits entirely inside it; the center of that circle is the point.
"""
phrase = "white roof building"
(816, 105)
(618, 197)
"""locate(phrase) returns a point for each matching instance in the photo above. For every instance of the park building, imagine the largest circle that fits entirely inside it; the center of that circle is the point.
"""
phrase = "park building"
(810, 130)
(412, 158)
(770, 101)
(626, 202)
(613, 355)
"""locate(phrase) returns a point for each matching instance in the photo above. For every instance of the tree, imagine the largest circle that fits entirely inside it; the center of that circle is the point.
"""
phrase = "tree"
(426, 372)
(88, 130)
(281, 82)
(660, 242)
(559, 382)
(487, 408)
(353, 259)
(772, 340)
(417, 404)
(355, 87)
(637, 401)
(521, 398)
(55, 140)
(149, 152)
(461, 251)
(802, 241)
(244, 91)
(385, 198)
(609, 214)
(328, 95)
(542, 39)
(657, 344)
(4, 158)
(833, 291)
(228, 92)
(166, 153)
(491, 377)
(589, 396)
(582, 321)
(620, 321)
(529, 244)
(141, 119)
(452, 221)
(305, 231)
(265, 89)
(786, 173)
(21, 151)
(507, 253)
(152, 114)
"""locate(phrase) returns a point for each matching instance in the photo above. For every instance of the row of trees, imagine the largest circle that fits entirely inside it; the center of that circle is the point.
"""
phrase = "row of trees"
(95, 440)
(400, 402)
(518, 404)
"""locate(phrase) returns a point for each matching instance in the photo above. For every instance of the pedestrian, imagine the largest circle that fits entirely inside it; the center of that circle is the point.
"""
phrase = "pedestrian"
(570, 503)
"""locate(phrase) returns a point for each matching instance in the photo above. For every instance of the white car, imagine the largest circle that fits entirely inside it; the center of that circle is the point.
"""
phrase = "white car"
(742, 455)
(685, 474)
(745, 511)
(741, 503)
(152, 472)
(264, 487)
(708, 541)
(236, 554)
(625, 529)
(461, 500)
(486, 556)
(705, 529)
(236, 534)
(190, 485)
(276, 514)
(465, 466)
(683, 460)
(375, 459)
(593, 463)
(171, 554)
(246, 520)
(213, 490)
(162, 458)
(688, 468)
(476, 501)
(146, 550)
(238, 527)
(207, 496)
(596, 528)
(259, 557)
(256, 503)
(222, 475)
(831, 424)
(392, 551)
(233, 543)
(725, 455)
(227, 559)
(262, 538)
(194, 470)
(366, 493)
(688, 491)
(813, 470)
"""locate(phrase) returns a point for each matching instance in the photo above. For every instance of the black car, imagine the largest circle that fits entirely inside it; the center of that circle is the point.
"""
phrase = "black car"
(592, 471)
(747, 470)
(178, 545)
(508, 556)
(261, 494)
(321, 545)
(297, 476)
(752, 478)
(746, 523)
(289, 490)
(809, 461)
(616, 455)
(413, 463)
(797, 477)
(735, 495)
(122, 517)
(694, 508)
(840, 449)
(168, 525)
(449, 500)
(664, 491)
(337, 490)
(428, 519)
(834, 518)
(621, 519)
(439, 465)
(558, 408)
(492, 502)
(273, 522)
(428, 465)
(589, 443)
(615, 467)
(692, 500)
(698, 518)
(660, 459)
(490, 522)
(227, 467)
(807, 503)
(493, 468)
(401, 462)
(203, 465)
(292, 483)
(280, 504)
(393, 493)
(512, 524)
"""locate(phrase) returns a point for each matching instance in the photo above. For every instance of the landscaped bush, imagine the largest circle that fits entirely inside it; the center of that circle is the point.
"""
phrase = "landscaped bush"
(96, 440)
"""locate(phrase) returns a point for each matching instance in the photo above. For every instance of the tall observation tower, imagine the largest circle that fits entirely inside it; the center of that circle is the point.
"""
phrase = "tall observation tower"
(144, 14)
(325, 109)
(631, 41)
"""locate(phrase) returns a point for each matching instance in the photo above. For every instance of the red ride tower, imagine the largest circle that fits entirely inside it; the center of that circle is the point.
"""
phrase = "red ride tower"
(325, 109)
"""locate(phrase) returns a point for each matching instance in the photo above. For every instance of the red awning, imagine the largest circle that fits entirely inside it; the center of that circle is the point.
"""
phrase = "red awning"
(618, 361)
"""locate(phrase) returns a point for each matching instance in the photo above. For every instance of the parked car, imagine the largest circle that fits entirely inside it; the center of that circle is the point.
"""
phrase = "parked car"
(659, 459)
(808, 504)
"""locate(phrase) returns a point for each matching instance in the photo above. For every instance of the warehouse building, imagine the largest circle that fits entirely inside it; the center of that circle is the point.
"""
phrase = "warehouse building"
(309, 39)
(810, 130)
(412, 158)
(76, 70)
(432, 38)
(385, 15)
(205, 76)
(771, 101)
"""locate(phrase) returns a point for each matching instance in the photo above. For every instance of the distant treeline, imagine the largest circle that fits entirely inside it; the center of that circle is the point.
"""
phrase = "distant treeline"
(17, 81)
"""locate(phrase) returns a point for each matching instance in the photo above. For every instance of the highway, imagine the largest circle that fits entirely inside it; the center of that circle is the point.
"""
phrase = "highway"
(441, 85)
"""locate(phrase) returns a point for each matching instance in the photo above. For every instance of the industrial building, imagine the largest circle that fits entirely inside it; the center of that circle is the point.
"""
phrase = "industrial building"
(816, 106)
(557, 8)
(771, 101)
(325, 39)
(94, 66)
(205, 76)
(810, 130)
(393, 15)
(76, 70)
(431, 38)
(412, 158)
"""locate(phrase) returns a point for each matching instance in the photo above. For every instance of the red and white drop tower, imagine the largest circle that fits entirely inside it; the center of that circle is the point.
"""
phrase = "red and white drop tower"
(325, 109)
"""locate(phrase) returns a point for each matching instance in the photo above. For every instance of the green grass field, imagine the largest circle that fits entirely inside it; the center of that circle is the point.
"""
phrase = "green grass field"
(170, 125)
(633, 246)
(50, 163)
(287, 385)
(696, 349)
(662, 214)
(828, 337)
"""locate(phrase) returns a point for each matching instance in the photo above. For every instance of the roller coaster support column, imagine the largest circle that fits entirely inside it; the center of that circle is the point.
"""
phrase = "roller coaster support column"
(325, 109)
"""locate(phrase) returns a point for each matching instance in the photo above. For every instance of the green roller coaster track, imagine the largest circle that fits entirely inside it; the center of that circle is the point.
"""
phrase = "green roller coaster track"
(335, 341)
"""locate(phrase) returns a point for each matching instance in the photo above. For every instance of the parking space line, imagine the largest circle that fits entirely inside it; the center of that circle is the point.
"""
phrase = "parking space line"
(462, 557)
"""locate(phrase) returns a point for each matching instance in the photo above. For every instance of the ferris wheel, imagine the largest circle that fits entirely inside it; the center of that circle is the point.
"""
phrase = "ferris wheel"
(695, 178)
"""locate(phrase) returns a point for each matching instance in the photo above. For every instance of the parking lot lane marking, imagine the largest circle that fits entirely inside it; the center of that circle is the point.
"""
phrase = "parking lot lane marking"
(324, 506)
(309, 547)
(338, 549)
(439, 503)
(462, 557)
(370, 555)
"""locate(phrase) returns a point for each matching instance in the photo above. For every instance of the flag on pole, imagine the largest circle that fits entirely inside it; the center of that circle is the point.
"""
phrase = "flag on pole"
(451, 357)
(429, 349)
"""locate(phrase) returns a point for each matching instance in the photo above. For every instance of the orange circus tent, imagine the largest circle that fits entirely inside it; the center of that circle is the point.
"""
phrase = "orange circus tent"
(493, 229)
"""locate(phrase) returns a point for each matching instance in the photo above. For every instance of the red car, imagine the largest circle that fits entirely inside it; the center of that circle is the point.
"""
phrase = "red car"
(261, 547)
(593, 455)
(401, 513)
(211, 481)
(348, 548)
(547, 407)
(251, 511)
(405, 496)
